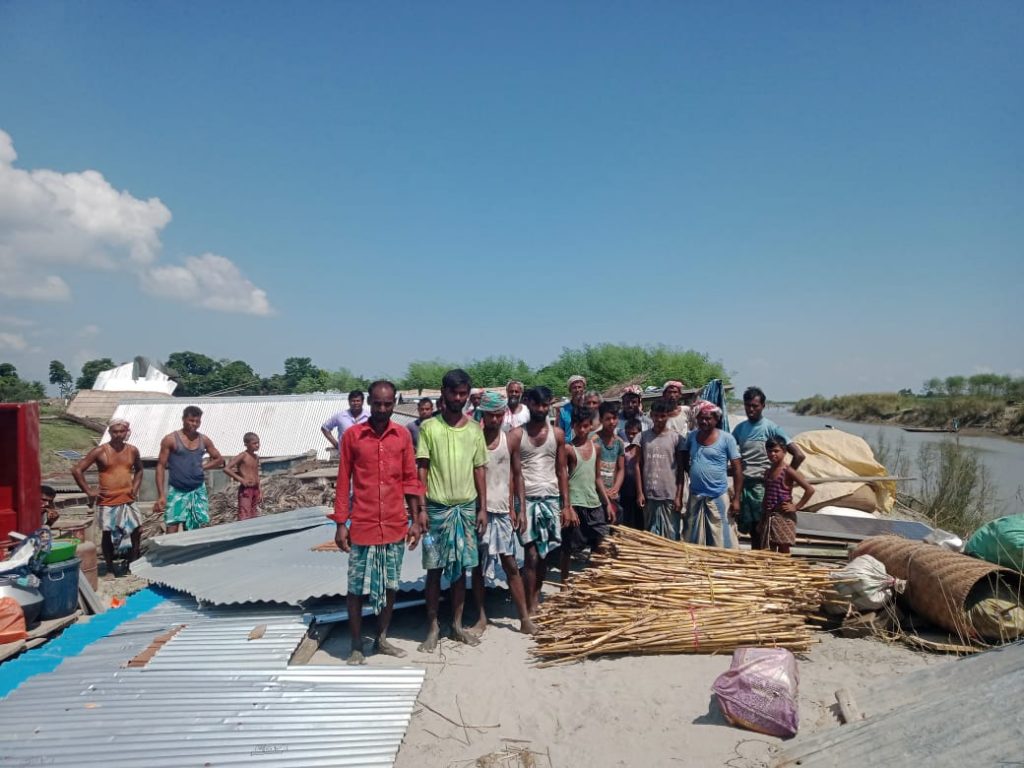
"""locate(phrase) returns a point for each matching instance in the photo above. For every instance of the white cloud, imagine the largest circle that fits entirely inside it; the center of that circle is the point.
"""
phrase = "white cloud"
(88, 331)
(16, 322)
(210, 281)
(52, 221)
(12, 341)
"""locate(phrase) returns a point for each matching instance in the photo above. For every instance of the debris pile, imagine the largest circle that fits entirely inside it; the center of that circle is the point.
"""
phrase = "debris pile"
(281, 493)
(647, 594)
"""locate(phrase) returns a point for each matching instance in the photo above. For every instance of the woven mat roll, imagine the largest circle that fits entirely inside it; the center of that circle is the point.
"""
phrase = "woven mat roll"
(938, 581)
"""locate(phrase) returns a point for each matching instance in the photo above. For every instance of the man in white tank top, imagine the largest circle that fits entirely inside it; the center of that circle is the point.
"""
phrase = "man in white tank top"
(546, 491)
(504, 483)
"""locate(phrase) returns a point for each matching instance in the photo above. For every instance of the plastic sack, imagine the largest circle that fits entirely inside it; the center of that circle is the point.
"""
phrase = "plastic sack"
(865, 583)
(759, 691)
(995, 611)
(1000, 541)
(12, 621)
(945, 539)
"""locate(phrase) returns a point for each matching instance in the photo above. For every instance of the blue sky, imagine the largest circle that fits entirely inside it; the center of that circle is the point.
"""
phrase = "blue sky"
(828, 197)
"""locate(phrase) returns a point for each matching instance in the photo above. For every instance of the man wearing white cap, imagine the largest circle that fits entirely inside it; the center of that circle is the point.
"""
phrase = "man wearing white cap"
(120, 475)
(680, 418)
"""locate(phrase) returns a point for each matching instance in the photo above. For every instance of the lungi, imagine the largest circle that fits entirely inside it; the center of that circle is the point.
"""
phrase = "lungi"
(451, 541)
(543, 524)
(708, 523)
(373, 570)
(249, 498)
(496, 540)
(661, 519)
(120, 520)
(189, 507)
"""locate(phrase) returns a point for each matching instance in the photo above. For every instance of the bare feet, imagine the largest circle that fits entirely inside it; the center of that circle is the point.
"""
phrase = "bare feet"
(356, 659)
(480, 627)
(527, 627)
(461, 635)
(428, 645)
(384, 647)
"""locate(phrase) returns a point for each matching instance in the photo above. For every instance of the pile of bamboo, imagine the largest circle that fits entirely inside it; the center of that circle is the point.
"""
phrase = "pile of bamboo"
(647, 594)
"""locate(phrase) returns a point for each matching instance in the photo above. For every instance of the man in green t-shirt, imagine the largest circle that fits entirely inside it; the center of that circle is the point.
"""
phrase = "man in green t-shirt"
(452, 461)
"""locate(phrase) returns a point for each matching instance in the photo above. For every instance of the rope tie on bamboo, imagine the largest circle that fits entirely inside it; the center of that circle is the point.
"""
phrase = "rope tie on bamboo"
(696, 635)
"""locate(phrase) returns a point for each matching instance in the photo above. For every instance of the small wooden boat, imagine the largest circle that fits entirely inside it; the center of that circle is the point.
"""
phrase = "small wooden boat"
(929, 429)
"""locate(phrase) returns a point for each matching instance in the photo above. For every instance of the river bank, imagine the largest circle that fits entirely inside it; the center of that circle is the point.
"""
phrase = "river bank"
(973, 415)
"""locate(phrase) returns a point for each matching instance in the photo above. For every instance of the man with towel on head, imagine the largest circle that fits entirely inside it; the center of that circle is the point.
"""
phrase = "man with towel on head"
(120, 475)
(577, 388)
(710, 452)
(504, 502)
(452, 462)
(680, 418)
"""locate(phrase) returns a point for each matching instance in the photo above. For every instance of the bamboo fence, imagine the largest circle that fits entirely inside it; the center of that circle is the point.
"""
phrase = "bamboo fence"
(646, 594)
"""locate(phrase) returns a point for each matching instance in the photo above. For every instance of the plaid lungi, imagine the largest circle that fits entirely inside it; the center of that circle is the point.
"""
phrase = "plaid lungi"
(373, 570)
(543, 524)
(451, 541)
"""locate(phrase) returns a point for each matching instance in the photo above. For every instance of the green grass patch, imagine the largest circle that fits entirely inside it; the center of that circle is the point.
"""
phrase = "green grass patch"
(58, 436)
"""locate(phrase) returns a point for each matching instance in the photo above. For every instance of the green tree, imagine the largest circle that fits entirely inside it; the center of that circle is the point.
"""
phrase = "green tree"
(605, 365)
(90, 370)
(14, 389)
(298, 368)
(932, 386)
(497, 371)
(195, 373)
(235, 377)
(60, 377)
(425, 374)
(343, 380)
(316, 382)
(955, 385)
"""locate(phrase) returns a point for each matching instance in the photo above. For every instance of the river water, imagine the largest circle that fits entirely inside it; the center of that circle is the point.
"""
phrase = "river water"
(1003, 459)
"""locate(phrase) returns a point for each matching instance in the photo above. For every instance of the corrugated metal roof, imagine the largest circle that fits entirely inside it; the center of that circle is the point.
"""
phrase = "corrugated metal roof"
(964, 712)
(210, 696)
(283, 569)
(287, 424)
(239, 530)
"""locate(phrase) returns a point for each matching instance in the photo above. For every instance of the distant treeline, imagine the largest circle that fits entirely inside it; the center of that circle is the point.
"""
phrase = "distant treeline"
(604, 366)
(978, 385)
(1000, 413)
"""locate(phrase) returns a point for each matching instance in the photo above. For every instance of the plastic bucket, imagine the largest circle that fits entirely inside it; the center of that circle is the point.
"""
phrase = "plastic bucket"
(61, 550)
(60, 589)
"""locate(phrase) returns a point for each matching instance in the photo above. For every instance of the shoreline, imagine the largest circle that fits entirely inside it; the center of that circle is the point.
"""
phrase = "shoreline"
(976, 417)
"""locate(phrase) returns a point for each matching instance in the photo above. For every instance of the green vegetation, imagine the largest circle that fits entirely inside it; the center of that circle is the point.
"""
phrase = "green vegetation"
(995, 412)
(57, 435)
(14, 389)
(604, 365)
(954, 491)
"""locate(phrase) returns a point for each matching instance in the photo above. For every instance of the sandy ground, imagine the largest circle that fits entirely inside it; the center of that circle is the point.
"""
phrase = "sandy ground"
(625, 711)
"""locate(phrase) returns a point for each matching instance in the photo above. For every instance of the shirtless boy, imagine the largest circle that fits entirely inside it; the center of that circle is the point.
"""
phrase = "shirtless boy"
(245, 469)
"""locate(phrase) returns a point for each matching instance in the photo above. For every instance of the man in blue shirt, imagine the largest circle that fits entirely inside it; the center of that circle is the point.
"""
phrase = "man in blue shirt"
(342, 420)
(577, 386)
(750, 437)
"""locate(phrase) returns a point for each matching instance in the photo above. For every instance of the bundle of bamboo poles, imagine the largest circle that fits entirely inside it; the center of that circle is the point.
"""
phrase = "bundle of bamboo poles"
(646, 594)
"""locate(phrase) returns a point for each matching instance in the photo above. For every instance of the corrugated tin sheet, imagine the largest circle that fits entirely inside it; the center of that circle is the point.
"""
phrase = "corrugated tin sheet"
(237, 531)
(283, 569)
(286, 424)
(968, 712)
(210, 696)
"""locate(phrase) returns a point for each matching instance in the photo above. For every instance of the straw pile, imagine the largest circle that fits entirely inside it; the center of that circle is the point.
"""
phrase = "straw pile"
(651, 595)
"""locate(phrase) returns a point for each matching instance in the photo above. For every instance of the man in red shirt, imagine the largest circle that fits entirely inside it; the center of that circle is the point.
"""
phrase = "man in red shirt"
(379, 464)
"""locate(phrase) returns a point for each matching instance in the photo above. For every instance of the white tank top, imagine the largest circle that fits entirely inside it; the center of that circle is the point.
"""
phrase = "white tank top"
(498, 471)
(538, 462)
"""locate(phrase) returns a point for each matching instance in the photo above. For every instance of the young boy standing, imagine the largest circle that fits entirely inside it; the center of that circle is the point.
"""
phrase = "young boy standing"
(629, 510)
(588, 523)
(659, 477)
(777, 530)
(611, 460)
(245, 468)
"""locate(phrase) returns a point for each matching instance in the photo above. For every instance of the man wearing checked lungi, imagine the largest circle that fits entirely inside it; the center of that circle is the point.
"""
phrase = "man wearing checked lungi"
(452, 460)
(377, 462)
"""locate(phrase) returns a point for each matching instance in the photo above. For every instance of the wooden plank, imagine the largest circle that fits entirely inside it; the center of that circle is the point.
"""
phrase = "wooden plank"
(311, 643)
(848, 706)
(7, 650)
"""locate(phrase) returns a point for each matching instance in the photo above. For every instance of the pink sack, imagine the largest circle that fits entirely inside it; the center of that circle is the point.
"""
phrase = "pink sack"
(759, 691)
